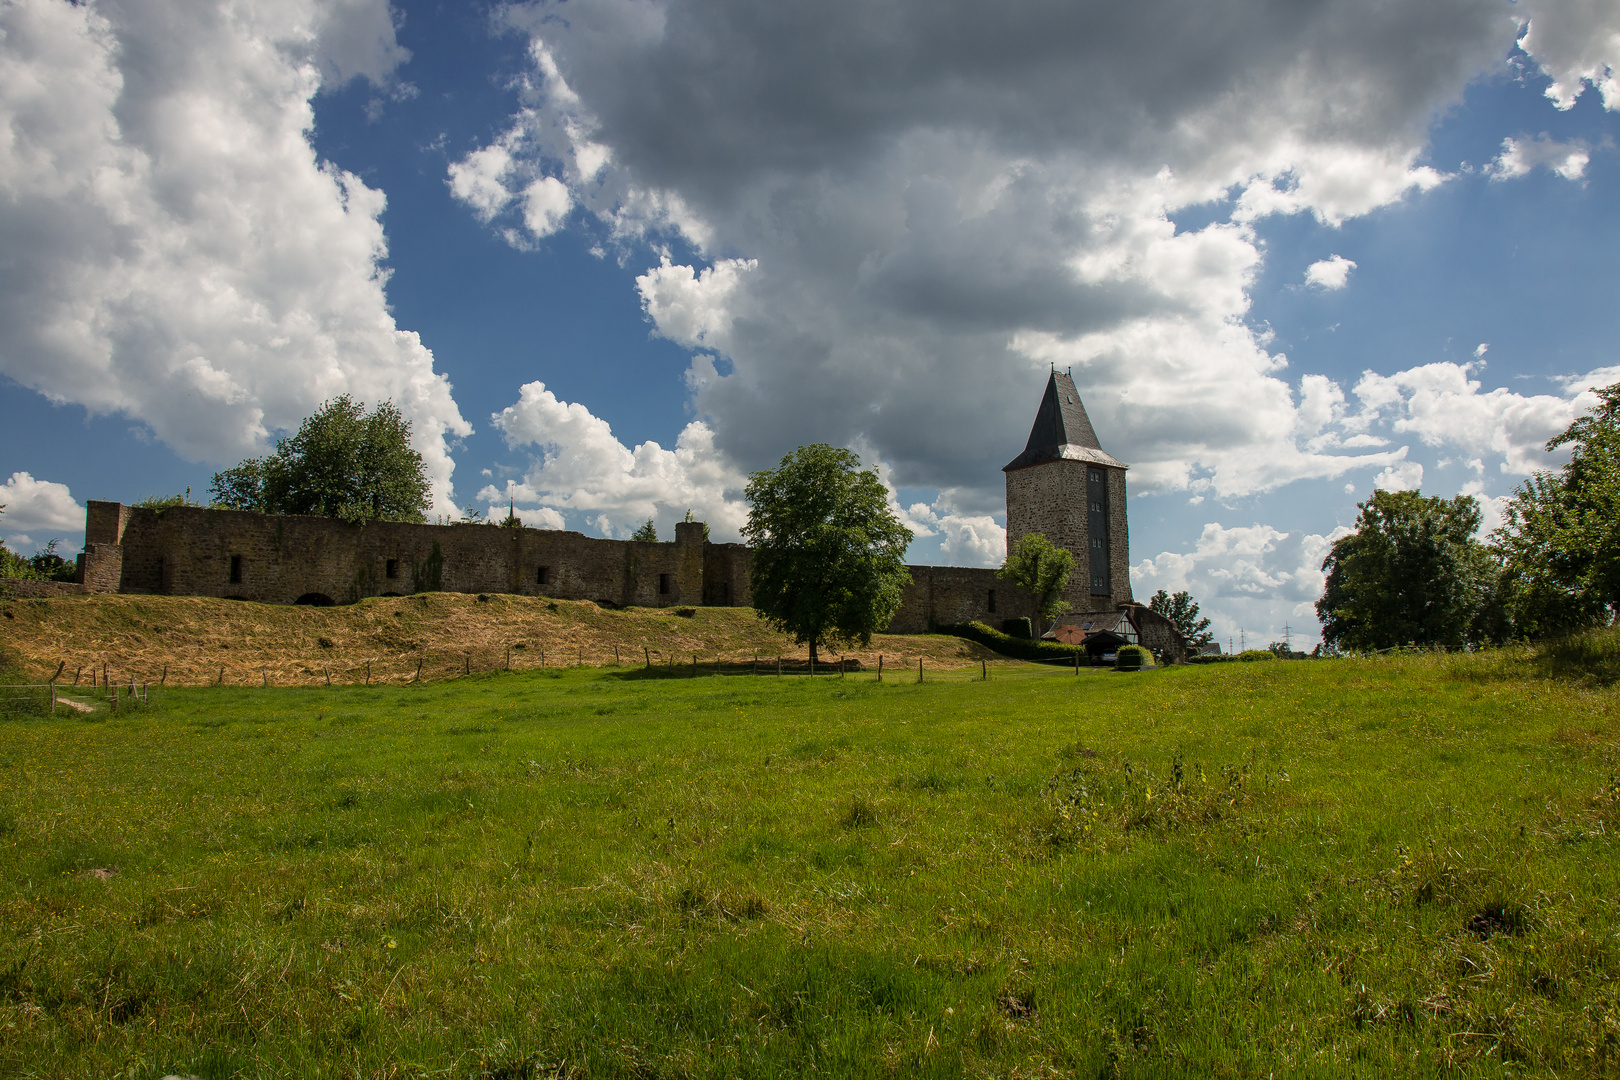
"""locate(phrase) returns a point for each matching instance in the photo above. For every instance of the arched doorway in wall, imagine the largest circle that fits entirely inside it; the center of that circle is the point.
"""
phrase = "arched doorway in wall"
(314, 599)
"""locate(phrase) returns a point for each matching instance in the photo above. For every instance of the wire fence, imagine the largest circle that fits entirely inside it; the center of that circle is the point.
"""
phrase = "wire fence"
(102, 684)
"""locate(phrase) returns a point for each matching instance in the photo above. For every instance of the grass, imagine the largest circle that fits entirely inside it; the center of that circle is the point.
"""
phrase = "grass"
(194, 640)
(1401, 866)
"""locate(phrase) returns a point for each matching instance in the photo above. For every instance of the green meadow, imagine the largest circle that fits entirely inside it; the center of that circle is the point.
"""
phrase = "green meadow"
(1400, 866)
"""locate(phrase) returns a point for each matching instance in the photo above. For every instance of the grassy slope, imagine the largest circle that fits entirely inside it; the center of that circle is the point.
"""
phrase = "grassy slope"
(1403, 866)
(193, 637)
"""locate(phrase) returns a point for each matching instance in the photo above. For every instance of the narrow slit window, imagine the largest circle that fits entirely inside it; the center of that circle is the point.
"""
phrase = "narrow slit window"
(992, 601)
(663, 584)
(542, 576)
(236, 569)
(391, 568)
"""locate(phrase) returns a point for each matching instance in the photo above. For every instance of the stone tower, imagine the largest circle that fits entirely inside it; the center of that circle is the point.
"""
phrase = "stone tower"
(1065, 486)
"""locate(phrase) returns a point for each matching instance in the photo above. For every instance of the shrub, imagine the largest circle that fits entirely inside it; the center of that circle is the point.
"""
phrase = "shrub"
(1256, 654)
(1132, 658)
(1007, 645)
(1018, 628)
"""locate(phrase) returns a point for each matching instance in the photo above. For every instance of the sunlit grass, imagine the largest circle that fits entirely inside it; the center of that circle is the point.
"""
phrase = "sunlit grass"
(1337, 868)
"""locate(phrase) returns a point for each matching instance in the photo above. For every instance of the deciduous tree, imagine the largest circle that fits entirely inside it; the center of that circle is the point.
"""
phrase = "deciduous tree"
(1411, 573)
(1042, 569)
(828, 562)
(1560, 538)
(343, 462)
(1182, 611)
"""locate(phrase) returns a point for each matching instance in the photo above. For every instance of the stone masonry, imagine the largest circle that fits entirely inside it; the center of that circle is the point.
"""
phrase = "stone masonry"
(1063, 485)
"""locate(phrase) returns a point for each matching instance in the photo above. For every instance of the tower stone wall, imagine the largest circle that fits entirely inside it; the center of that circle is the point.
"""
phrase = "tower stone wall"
(1053, 499)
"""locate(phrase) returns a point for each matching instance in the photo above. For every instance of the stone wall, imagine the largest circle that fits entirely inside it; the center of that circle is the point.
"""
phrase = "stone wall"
(190, 551)
(1159, 634)
(1051, 499)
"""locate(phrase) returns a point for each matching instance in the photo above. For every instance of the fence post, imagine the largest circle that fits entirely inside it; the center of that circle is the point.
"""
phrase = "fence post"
(984, 669)
(647, 655)
(419, 669)
(694, 665)
(165, 676)
(221, 680)
(1077, 661)
(779, 667)
(53, 697)
(115, 700)
(60, 665)
(264, 673)
(368, 672)
(615, 656)
(328, 672)
(919, 669)
(840, 667)
(77, 673)
(466, 663)
(509, 658)
(880, 667)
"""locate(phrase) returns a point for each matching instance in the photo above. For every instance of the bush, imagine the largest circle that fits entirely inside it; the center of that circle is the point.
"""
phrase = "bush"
(1007, 645)
(1132, 658)
(1255, 654)
(1018, 628)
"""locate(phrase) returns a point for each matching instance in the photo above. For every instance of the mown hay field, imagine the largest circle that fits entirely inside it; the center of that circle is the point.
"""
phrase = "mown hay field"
(1403, 866)
(196, 640)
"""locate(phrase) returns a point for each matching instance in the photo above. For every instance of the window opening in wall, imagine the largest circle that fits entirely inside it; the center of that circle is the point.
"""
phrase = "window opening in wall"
(992, 601)
(542, 576)
(391, 568)
(725, 592)
(663, 584)
(236, 569)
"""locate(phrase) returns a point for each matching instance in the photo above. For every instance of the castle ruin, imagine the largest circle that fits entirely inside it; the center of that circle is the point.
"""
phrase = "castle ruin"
(1063, 485)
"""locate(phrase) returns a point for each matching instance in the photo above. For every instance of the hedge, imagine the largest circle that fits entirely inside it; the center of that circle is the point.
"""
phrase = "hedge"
(1007, 645)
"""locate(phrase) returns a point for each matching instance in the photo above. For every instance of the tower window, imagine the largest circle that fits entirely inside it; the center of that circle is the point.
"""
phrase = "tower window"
(391, 568)
(542, 576)
(236, 569)
(663, 584)
(992, 601)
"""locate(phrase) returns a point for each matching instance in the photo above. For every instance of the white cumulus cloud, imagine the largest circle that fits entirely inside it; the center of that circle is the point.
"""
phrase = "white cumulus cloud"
(1519, 156)
(1256, 580)
(583, 468)
(39, 508)
(1330, 273)
(174, 249)
(899, 228)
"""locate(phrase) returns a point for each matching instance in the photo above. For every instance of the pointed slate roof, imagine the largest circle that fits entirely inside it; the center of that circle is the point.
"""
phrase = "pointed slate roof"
(1062, 430)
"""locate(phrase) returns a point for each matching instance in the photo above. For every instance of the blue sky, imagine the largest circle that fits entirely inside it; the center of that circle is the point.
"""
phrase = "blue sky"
(646, 248)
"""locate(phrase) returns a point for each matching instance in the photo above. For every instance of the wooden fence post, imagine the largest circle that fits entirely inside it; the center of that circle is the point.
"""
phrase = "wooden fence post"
(165, 676)
(418, 669)
(779, 666)
(368, 672)
(466, 663)
(115, 700)
(984, 669)
(264, 673)
(77, 673)
(880, 667)
(509, 658)
(53, 697)
(328, 672)
(221, 680)
(59, 667)
(919, 669)
(646, 652)
(615, 656)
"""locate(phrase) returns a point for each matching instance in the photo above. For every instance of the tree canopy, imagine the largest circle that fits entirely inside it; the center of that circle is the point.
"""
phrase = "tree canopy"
(1560, 537)
(828, 561)
(646, 532)
(1182, 611)
(1411, 573)
(343, 462)
(1042, 569)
